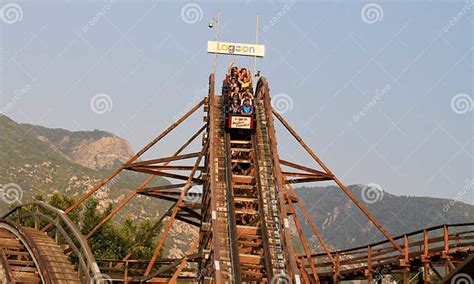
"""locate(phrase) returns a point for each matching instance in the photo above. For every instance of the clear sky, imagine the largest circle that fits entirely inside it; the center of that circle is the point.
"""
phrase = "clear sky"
(382, 91)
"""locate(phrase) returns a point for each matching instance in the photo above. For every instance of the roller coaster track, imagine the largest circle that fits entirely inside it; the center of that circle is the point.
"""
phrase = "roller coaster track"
(29, 255)
(244, 213)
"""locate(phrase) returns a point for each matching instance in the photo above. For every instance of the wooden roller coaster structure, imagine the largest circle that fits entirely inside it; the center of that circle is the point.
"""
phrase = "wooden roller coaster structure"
(244, 213)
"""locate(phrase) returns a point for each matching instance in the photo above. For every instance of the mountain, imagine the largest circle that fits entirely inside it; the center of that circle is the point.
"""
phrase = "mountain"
(44, 160)
(92, 149)
(39, 160)
(343, 225)
(36, 160)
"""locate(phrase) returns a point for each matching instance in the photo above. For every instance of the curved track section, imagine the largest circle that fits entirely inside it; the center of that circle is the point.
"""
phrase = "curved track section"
(31, 256)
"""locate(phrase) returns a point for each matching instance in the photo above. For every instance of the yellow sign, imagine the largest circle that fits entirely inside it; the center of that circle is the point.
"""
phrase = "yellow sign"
(236, 48)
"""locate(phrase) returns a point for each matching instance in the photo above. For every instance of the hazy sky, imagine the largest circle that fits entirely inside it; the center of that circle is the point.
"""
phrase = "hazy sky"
(382, 91)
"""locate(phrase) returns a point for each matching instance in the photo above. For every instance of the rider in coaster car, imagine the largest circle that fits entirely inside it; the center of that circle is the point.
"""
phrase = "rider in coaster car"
(247, 94)
(246, 108)
(234, 108)
(235, 94)
(232, 71)
(245, 79)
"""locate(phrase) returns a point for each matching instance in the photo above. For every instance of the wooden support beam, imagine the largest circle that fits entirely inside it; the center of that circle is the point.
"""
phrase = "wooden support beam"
(425, 258)
(165, 174)
(341, 185)
(150, 233)
(304, 180)
(161, 188)
(175, 211)
(173, 168)
(302, 168)
(183, 263)
(302, 238)
(313, 226)
(165, 159)
(136, 156)
(142, 186)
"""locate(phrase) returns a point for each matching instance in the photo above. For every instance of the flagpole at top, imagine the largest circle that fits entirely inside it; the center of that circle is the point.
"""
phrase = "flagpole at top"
(256, 42)
(217, 39)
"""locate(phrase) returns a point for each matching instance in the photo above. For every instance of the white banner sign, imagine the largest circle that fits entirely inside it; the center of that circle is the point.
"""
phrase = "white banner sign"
(243, 122)
(236, 48)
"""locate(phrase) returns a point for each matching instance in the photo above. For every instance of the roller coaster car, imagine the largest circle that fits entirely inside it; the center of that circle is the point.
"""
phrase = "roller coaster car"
(237, 122)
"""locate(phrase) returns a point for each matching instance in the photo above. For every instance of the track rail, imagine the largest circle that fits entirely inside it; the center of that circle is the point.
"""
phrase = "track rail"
(63, 238)
(31, 256)
(442, 246)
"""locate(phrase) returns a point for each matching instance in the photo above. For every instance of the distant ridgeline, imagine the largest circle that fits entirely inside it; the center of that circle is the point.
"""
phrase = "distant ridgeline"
(45, 160)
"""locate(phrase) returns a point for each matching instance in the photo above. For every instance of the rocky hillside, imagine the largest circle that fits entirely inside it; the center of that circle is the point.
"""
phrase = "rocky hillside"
(38, 160)
(343, 225)
(43, 160)
(92, 149)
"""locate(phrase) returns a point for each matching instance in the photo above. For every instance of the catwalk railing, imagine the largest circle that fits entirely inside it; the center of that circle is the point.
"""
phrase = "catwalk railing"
(444, 243)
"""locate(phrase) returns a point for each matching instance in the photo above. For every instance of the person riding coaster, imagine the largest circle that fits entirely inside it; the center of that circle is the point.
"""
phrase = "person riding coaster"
(246, 108)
